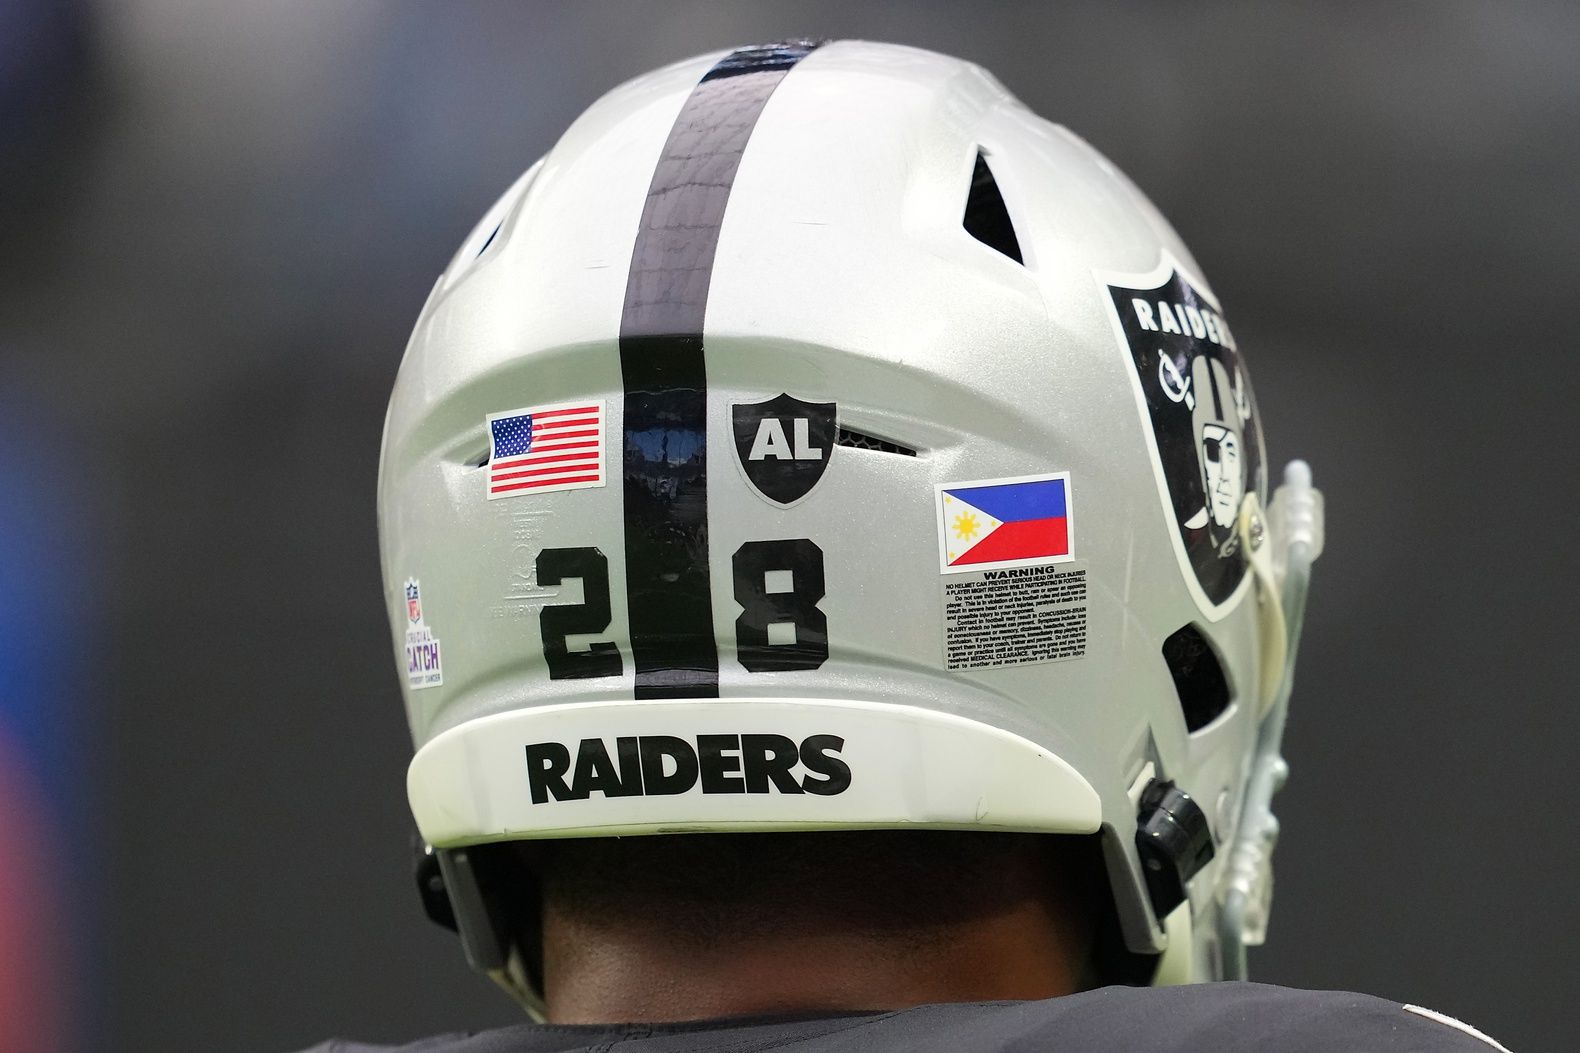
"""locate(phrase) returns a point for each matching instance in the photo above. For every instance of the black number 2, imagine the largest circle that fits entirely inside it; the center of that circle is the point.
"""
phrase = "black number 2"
(558, 621)
(797, 566)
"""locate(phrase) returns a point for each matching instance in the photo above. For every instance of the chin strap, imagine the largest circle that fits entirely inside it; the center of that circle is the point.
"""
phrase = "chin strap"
(452, 883)
(1281, 548)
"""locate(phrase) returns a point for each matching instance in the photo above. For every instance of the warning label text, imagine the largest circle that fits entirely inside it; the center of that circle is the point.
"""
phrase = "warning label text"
(1018, 616)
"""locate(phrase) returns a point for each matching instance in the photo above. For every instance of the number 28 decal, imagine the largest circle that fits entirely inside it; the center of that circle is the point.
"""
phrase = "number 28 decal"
(777, 583)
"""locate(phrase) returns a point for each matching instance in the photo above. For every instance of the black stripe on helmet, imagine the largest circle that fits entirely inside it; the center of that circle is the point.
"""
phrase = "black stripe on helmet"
(668, 587)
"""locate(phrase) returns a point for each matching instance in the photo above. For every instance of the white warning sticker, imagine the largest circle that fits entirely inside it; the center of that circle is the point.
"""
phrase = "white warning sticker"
(1015, 616)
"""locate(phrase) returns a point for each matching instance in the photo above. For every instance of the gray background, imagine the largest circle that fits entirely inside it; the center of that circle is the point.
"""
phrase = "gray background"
(219, 236)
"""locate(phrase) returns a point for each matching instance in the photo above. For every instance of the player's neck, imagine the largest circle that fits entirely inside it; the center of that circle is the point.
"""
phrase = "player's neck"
(649, 973)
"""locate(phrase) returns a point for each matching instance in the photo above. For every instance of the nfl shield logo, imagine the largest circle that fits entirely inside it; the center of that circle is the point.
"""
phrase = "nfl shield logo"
(413, 602)
(783, 445)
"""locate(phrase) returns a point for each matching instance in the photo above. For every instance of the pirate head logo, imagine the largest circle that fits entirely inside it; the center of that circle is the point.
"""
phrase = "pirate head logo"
(1218, 421)
(783, 445)
(1208, 435)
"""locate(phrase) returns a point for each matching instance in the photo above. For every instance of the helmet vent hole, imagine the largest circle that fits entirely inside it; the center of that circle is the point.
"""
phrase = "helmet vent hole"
(986, 218)
(492, 235)
(861, 441)
(1199, 679)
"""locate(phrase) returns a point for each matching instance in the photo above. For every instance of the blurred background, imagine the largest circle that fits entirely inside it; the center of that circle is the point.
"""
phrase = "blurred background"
(218, 222)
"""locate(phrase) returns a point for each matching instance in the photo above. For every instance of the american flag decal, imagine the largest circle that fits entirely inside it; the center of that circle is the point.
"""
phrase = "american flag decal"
(541, 449)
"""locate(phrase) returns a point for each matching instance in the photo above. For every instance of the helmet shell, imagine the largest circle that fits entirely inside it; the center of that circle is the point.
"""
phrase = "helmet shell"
(818, 598)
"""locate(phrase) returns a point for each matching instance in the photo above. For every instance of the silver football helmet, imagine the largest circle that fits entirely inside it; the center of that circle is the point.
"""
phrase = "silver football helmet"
(816, 439)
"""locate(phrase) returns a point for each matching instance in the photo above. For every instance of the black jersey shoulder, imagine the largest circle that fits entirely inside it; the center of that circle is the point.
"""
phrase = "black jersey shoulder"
(1204, 1018)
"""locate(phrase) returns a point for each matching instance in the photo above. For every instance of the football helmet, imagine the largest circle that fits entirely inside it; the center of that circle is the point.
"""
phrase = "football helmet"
(817, 439)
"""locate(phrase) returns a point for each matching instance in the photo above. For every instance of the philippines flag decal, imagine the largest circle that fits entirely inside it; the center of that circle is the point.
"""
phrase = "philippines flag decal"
(540, 449)
(1020, 521)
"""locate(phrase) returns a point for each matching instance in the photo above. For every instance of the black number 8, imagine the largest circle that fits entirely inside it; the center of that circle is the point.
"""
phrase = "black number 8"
(797, 605)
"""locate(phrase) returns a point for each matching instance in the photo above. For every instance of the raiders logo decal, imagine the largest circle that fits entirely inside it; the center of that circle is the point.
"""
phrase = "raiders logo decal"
(783, 445)
(1206, 432)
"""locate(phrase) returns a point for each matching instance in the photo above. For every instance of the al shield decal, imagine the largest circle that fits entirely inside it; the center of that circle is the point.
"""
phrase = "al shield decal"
(1205, 426)
(783, 445)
